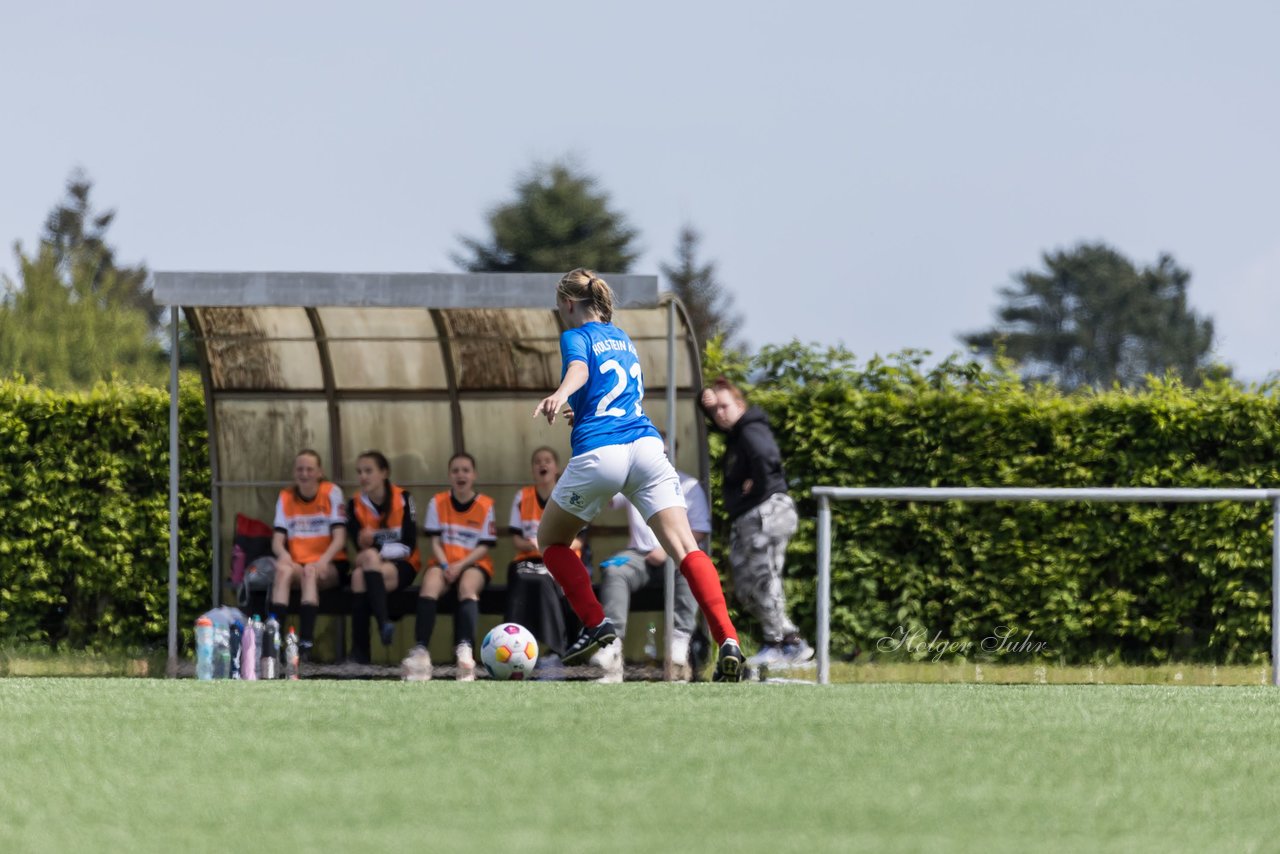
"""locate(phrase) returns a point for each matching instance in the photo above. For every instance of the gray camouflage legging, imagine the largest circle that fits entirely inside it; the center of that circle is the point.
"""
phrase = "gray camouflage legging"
(757, 551)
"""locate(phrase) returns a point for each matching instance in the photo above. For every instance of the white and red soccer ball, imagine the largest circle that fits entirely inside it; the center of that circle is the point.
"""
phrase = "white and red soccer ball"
(509, 651)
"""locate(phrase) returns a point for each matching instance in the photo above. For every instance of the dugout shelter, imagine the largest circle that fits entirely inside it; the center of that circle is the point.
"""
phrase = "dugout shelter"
(416, 365)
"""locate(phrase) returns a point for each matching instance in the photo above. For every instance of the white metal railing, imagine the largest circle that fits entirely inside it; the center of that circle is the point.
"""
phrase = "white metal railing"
(825, 494)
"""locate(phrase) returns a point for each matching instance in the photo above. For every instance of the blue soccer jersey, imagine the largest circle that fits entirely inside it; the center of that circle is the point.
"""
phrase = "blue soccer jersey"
(607, 410)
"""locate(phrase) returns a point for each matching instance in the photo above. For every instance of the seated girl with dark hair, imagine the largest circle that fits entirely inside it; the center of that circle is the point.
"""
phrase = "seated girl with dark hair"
(382, 523)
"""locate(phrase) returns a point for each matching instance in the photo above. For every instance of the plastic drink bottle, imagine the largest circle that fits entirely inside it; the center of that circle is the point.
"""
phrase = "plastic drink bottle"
(237, 633)
(270, 660)
(257, 631)
(291, 655)
(204, 648)
(221, 651)
(651, 644)
(249, 654)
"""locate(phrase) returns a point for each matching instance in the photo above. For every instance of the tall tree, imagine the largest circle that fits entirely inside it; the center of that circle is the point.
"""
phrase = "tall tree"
(710, 306)
(75, 315)
(1092, 318)
(76, 234)
(69, 329)
(559, 220)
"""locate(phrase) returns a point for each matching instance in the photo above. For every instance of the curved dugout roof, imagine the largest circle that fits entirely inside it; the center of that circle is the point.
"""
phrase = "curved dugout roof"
(417, 366)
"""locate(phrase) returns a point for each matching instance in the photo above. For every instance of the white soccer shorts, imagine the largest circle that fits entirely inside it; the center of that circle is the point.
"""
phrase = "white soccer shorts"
(639, 470)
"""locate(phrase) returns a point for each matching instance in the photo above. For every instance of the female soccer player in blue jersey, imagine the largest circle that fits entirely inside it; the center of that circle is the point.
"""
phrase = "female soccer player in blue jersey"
(616, 449)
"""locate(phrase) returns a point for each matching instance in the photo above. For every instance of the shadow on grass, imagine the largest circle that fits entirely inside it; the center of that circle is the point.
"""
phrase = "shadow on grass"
(34, 660)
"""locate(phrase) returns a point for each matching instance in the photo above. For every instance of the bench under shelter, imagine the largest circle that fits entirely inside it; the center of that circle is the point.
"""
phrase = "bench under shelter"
(416, 365)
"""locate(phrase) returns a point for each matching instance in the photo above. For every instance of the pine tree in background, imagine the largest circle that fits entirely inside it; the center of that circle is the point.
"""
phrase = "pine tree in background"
(709, 304)
(558, 221)
(1092, 318)
(76, 233)
(73, 316)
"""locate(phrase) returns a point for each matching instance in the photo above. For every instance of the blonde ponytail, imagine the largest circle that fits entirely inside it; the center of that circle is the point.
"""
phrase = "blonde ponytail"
(583, 285)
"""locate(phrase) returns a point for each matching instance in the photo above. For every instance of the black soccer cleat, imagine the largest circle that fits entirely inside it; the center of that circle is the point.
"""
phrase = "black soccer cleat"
(588, 641)
(731, 665)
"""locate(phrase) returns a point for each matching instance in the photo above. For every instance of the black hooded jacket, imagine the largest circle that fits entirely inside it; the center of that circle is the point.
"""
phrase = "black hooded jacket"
(751, 453)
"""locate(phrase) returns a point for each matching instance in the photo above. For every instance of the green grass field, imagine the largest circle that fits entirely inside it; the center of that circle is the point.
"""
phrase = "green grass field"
(147, 764)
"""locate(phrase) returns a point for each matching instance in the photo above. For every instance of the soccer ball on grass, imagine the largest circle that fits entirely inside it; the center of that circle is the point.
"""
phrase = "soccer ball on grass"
(509, 651)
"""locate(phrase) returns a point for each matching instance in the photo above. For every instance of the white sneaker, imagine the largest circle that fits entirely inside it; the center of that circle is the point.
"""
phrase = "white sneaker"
(796, 651)
(679, 646)
(466, 662)
(609, 659)
(417, 666)
(680, 669)
(770, 655)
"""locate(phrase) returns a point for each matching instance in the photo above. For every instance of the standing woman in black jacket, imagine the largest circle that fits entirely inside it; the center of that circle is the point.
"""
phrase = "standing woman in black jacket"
(763, 519)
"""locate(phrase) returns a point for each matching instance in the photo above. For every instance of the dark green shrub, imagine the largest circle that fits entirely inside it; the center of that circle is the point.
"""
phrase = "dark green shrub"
(84, 514)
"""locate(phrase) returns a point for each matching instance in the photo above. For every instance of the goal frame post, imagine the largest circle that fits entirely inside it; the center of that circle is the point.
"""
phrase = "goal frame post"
(1126, 495)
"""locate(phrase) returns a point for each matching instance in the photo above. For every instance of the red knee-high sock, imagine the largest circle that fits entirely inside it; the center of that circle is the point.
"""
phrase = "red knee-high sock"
(571, 574)
(704, 581)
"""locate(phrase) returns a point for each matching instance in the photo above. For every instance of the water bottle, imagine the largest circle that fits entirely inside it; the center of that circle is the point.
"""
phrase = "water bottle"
(221, 651)
(651, 644)
(257, 632)
(249, 654)
(291, 655)
(204, 648)
(270, 649)
(237, 633)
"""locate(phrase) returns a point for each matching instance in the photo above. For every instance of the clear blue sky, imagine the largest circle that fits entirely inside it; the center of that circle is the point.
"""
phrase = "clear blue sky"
(863, 173)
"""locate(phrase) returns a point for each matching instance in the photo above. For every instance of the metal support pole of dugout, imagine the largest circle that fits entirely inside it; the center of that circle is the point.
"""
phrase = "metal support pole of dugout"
(171, 666)
(669, 568)
(825, 494)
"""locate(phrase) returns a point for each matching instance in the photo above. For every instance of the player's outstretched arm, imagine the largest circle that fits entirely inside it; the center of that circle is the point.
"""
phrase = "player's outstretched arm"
(574, 379)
